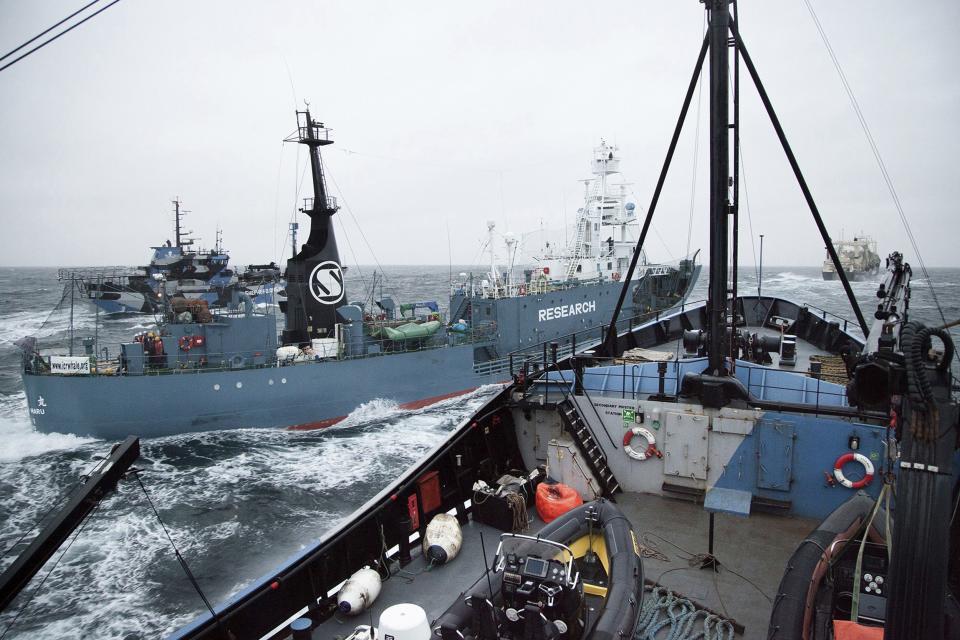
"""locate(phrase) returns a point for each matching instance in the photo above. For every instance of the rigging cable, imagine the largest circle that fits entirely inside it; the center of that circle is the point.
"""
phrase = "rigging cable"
(297, 186)
(880, 163)
(62, 33)
(34, 593)
(46, 31)
(653, 228)
(346, 205)
(746, 202)
(183, 563)
(746, 198)
(83, 478)
(276, 210)
(696, 149)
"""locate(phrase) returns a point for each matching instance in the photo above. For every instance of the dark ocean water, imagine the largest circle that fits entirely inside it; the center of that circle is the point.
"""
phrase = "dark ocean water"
(236, 502)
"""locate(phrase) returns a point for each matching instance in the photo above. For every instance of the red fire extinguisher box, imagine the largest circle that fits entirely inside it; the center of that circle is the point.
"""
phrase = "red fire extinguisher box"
(428, 486)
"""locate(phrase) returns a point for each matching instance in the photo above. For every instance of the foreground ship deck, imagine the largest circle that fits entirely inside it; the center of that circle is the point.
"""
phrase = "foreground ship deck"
(756, 548)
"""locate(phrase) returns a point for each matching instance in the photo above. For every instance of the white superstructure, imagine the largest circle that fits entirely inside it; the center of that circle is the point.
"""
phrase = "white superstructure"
(602, 242)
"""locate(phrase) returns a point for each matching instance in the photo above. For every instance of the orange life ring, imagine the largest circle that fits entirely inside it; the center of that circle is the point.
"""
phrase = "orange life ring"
(554, 500)
(853, 457)
(185, 342)
(616, 276)
(521, 290)
(651, 449)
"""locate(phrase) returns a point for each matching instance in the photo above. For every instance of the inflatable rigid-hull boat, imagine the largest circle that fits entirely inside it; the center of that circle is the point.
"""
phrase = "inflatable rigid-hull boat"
(581, 576)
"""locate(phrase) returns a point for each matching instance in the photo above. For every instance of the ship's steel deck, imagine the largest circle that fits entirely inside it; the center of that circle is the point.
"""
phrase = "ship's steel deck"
(804, 350)
(756, 547)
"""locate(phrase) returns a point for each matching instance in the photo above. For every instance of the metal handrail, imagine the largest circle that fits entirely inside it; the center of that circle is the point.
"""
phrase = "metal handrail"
(176, 362)
(824, 313)
(634, 376)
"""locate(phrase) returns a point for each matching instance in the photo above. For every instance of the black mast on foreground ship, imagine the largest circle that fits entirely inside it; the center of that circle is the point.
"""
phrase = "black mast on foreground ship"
(723, 426)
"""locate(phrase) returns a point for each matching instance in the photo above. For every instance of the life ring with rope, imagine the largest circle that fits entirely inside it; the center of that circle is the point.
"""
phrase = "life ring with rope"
(853, 457)
(521, 290)
(185, 343)
(616, 276)
(651, 449)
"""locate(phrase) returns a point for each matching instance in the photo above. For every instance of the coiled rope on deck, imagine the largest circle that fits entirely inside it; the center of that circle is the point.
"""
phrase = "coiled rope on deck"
(680, 618)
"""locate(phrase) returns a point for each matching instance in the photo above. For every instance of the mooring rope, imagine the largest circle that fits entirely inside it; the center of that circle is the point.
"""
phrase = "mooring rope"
(680, 618)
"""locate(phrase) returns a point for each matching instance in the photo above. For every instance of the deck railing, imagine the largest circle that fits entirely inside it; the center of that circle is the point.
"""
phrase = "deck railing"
(178, 361)
(627, 380)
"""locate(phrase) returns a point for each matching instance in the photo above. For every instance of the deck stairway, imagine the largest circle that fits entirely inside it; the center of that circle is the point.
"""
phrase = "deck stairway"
(585, 440)
(578, 248)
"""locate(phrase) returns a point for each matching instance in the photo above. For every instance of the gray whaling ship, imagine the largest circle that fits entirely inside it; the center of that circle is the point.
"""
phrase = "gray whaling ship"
(200, 370)
(176, 269)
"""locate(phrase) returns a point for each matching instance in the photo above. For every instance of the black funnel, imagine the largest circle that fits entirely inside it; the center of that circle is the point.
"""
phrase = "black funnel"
(315, 283)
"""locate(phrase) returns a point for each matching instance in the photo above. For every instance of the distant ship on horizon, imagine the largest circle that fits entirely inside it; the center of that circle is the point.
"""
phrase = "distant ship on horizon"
(859, 258)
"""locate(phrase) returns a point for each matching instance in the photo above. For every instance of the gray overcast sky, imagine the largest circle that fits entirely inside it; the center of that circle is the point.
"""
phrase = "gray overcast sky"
(447, 114)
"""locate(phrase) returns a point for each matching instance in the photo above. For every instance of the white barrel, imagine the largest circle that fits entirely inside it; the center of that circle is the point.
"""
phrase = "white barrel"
(404, 622)
(359, 591)
(443, 539)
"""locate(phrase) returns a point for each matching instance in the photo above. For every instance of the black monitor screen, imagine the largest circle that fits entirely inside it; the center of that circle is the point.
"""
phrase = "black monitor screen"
(535, 568)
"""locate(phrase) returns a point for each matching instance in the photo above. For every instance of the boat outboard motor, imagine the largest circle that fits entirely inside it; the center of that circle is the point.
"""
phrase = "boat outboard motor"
(315, 286)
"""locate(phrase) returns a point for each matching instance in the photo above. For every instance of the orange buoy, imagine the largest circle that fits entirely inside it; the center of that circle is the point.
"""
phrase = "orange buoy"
(554, 500)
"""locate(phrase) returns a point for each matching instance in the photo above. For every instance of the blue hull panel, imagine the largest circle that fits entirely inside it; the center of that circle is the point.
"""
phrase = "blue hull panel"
(113, 407)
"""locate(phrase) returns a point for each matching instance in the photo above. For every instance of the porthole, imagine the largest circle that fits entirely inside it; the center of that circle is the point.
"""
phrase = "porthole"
(270, 382)
(216, 387)
(239, 385)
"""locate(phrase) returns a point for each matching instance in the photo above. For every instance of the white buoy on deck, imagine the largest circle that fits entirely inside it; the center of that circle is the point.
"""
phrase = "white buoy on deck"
(443, 539)
(359, 591)
(404, 622)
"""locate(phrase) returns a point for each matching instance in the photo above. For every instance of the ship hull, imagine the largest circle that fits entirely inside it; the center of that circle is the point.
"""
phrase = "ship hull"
(307, 395)
(852, 276)
(532, 320)
(318, 394)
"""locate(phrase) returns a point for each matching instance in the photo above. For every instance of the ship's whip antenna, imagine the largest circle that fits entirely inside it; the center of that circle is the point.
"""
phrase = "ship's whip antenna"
(486, 566)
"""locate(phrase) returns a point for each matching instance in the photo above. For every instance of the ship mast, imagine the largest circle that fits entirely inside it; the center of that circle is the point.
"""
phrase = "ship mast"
(179, 234)
(719, 190)
(315, 287)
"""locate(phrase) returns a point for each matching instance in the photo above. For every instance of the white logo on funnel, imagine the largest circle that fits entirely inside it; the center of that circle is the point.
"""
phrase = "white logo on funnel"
(326, 283)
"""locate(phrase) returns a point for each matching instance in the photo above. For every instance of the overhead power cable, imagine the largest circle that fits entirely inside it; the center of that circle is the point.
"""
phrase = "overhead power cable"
(62, 33)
